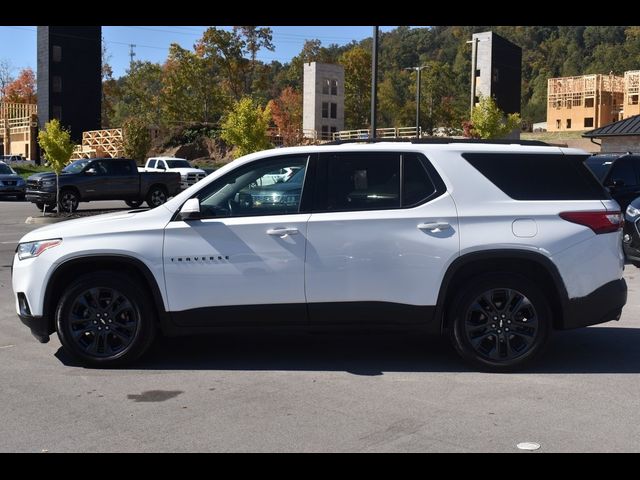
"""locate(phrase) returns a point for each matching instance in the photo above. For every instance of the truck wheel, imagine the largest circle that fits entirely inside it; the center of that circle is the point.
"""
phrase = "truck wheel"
(501, 321)
(133, 203)
(156, 196)
(105, 319)
(68, 201)
(40, 205)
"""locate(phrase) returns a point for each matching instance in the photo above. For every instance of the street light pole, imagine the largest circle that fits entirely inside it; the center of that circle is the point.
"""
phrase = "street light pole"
(374, 81)
(418, 70)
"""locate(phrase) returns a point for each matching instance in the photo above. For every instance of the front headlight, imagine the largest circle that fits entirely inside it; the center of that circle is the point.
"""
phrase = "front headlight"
(33, 249)
(632, 211)
(48, 183)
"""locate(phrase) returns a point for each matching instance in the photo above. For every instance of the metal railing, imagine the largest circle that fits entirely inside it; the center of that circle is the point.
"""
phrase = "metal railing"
(363, 134)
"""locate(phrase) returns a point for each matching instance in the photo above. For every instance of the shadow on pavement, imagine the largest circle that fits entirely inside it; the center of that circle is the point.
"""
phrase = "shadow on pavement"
(590, 350)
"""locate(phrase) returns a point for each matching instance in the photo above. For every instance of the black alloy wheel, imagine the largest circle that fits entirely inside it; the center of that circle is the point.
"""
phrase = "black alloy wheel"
(156, 197)
(105, 319)
(68, 201)
(501, 322)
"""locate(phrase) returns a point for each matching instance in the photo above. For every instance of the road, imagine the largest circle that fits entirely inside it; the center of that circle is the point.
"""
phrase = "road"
(315, 392)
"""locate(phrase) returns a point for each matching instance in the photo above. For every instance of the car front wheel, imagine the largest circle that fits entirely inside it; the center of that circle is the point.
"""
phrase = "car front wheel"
(500, 322)
(105, 319)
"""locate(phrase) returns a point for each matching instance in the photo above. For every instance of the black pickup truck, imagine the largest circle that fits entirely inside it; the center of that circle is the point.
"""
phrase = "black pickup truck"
(101, 179)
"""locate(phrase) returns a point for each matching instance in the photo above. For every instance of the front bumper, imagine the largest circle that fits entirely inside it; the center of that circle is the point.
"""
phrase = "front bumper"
(38, 196)
(12, 189)
(40, 327)
(601, 305)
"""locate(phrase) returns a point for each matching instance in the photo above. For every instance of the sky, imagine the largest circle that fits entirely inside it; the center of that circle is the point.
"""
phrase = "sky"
(18, 43)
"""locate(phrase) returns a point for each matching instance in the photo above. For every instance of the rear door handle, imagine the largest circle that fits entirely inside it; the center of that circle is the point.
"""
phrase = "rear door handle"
(282, 232)
(434, 227)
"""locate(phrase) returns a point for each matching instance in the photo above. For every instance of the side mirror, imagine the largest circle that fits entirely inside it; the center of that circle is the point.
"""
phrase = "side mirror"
(90, 171)
(191, 210)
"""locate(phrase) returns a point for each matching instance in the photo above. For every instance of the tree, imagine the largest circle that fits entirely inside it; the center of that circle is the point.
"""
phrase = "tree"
(190, 91)
(139, 94)
(22, 89)
(255, 39)
(5, 77)
(136, 138)
(57, 146)
(488, 121)
(246, 127)
(286, 112)
(357, 87)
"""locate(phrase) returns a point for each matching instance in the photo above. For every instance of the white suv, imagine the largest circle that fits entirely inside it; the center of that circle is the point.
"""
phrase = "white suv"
(493, 244)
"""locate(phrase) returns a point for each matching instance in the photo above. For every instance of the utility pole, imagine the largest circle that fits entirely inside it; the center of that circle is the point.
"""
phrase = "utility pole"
(418, 70)
(374, 82)
(474, 67)
(131, 53)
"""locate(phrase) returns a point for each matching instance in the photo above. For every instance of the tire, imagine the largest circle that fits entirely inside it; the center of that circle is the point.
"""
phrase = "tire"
(157, 196)
(39, 205)
(133, 203)
(68, 201)
(109, 339)
(500, 322)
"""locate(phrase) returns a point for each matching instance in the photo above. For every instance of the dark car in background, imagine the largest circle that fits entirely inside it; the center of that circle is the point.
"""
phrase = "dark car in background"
(102, 179)
(11, 184)
(619, 173)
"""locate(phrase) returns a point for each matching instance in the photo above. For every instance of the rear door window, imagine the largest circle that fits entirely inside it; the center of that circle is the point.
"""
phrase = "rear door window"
(534, 176)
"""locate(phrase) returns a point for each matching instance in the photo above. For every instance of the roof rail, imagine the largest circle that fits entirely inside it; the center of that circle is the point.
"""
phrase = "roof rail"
(440, 141)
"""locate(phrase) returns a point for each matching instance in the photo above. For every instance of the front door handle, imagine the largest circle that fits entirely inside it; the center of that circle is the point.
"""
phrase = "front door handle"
(434, 227)
(282, 232)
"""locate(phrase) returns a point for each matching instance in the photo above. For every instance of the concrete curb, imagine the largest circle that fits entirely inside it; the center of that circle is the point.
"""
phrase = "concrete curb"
(44, 220)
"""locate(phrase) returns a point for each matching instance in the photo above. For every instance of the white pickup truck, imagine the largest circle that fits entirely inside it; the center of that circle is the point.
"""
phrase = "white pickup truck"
(188, 174)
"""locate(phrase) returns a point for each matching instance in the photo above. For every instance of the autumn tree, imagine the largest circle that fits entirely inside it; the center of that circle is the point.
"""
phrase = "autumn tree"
(255, 38)
(22, 89)
(488, 121)
(286, 112)
(246, 126)
(357, 87)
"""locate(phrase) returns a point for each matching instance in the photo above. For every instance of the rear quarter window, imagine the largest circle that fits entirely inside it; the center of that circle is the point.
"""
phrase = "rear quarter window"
(539, 176)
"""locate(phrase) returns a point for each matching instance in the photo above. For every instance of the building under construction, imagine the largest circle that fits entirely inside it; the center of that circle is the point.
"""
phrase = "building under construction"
(631, 92)
(585, 102)
(18, 129)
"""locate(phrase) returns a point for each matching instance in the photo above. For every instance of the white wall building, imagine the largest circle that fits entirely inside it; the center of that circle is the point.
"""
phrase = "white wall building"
(323, 100)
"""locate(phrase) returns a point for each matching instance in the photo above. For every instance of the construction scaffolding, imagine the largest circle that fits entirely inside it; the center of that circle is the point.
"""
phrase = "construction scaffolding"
(631, 93)
(18, 129)
(585, 102)
(100, 143)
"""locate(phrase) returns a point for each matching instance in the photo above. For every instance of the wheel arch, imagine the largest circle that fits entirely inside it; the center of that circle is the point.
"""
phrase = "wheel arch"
(533, 264)
(74, 267)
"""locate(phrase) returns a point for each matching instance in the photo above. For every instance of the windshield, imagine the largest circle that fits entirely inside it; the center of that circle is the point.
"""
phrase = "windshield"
(178, 164)
(599, 165)
(76, 167)
(6, 170)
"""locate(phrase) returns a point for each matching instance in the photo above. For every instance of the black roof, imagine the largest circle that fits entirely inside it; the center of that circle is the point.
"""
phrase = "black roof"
(628, 126)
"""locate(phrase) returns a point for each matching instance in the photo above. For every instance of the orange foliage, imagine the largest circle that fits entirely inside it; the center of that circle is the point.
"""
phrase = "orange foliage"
(286, 112)
(22, 89)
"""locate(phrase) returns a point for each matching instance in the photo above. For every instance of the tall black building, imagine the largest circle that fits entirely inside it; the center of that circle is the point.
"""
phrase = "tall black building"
(70, 77)
(498, 70)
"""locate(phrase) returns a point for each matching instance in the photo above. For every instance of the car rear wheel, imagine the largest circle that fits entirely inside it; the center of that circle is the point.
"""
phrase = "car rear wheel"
(133, 203)
(156, 196)
(105, 319)
(501, 322)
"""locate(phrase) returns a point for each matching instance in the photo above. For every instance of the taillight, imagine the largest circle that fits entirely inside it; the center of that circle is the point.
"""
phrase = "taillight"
(599, 222)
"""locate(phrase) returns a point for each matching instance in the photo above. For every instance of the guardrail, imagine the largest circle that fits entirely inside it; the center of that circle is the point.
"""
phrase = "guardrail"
(391, 132)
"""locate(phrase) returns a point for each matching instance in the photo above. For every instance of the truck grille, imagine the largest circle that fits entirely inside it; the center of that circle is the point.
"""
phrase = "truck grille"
(33, 184)
(191, 179)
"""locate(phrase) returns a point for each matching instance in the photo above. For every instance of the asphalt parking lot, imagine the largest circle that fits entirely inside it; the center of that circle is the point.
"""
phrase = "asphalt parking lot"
(314, 392)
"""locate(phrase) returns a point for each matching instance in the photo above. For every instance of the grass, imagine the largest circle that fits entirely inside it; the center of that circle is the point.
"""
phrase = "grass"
(25, 170)
(551, 136)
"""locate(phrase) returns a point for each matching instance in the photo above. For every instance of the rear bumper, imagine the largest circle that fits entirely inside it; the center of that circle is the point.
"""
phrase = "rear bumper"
(39, 327)
(601, 305)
